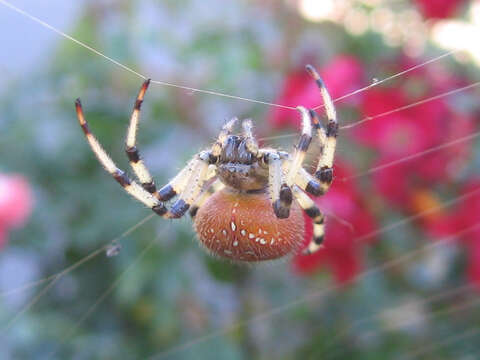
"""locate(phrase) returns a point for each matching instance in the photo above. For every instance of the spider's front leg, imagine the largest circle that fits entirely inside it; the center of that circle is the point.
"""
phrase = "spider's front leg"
(281, 179)
(129, 185)
(133, 154)
(302, 146)
(320, 183)
(188, 183)
(324, 172)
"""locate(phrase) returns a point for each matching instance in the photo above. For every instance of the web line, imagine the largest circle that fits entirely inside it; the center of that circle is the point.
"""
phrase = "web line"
(309, 297)
(30, 304)
(211, 92)
(53, 279)
(79, 262)
(378, 82)
(409, 321)
(450, 340)
(61, 33)
(440, 296)
(451, 92)
(105, 294)
(389, 112)
(413, 156)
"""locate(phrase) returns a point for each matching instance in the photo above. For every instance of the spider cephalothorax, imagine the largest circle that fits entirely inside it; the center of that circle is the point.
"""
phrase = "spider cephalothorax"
(238, 165)
(246, 201)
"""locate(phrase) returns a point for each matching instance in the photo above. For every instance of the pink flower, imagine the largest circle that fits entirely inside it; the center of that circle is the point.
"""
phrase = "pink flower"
(465, 216)
(342, 75)
(421, 130)
(445, 163)
(399, 129)
(15, 203)
(399, 182)
(404, 132)
(394, 183)
(347, 220)
(439, 9)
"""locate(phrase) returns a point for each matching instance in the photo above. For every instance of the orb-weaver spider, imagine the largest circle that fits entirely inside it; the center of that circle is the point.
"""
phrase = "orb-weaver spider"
(240, 196)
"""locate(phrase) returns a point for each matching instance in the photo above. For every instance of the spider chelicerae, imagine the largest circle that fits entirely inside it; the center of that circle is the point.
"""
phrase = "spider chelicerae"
(240, 196)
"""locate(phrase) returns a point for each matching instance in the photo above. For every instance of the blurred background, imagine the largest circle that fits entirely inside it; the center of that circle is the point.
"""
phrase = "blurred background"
(400, 275)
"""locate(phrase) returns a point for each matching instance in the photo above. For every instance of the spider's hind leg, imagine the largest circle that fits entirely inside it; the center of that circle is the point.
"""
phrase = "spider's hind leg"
(313, 212)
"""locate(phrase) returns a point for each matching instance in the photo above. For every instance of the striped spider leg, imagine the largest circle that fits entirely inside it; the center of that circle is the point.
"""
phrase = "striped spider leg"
(298, 178)
(187, 184)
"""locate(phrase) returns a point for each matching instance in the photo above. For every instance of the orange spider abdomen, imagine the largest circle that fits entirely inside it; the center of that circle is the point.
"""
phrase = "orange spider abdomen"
(243, 227)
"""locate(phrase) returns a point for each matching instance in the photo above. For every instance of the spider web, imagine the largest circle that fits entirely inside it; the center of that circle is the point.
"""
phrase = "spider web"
(311, 297)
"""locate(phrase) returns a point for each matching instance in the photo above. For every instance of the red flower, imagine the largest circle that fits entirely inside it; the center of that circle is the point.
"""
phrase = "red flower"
(438, 9)
(342, 75)
(15, 203)
(347, 220)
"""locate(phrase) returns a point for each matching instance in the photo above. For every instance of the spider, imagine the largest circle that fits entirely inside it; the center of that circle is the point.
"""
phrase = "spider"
(241, 197)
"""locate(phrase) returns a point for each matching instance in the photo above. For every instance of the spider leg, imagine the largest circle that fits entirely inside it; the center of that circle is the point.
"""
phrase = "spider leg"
(178, 183)
(217, 185)
(226, 130)
(133, 154)
(280, 192)
(251, 143)
(197, 175)
(324, 171)
(313, 212)
(310, 184)
(302, 146)
(129, 185)
(304, 179)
